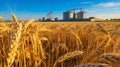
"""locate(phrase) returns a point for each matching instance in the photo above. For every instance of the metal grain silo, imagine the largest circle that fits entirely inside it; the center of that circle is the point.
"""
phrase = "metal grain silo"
(68, 16)
(81, 15)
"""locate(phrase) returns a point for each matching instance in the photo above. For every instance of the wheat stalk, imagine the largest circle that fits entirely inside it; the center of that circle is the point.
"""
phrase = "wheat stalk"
(77, 38)
(67, 56)
(111, 57)
(15, 45)
(93, 65)
(4, 27)
(100, 28)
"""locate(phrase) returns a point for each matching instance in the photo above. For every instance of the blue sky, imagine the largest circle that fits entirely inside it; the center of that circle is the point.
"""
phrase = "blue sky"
(27, 9)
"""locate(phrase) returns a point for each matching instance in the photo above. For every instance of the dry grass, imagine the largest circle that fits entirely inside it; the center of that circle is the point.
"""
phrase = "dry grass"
(34, 44)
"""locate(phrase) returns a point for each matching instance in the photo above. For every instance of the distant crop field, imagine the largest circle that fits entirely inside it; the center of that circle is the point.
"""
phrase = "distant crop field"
(58, 44)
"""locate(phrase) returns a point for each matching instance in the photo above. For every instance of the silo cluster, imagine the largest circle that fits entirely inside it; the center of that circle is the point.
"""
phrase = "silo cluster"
(69, 15)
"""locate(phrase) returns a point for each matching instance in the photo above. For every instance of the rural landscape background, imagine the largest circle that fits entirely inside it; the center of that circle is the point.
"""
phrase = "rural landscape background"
(86, 34)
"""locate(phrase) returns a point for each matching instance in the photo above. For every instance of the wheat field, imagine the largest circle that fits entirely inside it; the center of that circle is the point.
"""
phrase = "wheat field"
(63, 44)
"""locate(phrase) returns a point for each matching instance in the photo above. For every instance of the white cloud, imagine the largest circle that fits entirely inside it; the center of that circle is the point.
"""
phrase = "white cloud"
(86, 2)
(108, 4)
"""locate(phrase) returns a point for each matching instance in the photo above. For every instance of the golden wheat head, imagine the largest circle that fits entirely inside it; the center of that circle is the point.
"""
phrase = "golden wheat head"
(14, 18)
(69, 55)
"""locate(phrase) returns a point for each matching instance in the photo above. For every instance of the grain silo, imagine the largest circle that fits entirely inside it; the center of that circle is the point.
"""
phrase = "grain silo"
(81, 15)
(75, 16)
(67, 16)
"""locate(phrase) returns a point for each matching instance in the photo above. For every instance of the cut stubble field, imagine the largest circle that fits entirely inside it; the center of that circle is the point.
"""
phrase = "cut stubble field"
(59, 44)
